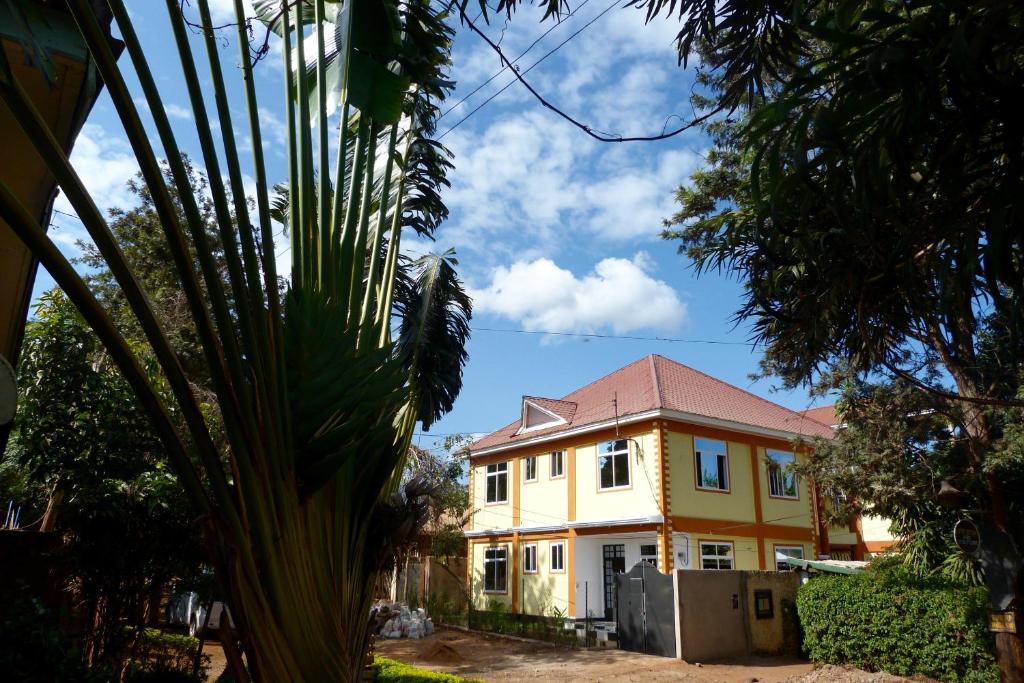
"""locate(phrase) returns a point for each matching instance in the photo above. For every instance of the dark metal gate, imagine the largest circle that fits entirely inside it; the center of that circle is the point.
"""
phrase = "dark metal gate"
(646, 611)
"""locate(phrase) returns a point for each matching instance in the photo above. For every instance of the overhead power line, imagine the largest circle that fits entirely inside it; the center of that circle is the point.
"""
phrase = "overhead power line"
(505, 68)
(509, 65)
(601, 137)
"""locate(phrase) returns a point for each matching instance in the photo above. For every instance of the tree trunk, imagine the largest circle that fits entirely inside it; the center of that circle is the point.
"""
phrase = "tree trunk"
(1010, 656)
(52, 506)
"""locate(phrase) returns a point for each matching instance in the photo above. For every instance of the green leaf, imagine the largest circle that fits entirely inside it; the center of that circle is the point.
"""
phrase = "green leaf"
(376, 90)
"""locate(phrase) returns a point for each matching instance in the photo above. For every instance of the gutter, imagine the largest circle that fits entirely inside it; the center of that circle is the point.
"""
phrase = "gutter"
(587, 524)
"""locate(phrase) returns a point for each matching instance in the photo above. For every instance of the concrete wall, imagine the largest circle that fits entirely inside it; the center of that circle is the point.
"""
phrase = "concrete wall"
(783, 511)
(481, 600)
(492, 516)
(717, 617)
(545, 591)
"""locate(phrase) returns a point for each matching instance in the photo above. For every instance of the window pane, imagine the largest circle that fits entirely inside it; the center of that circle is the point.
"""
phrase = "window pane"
(501, 571)
(492, 489)
(607, 474)
(502, 486)
(723, 472)
(621, 469)
(612, 446)
(708, 471)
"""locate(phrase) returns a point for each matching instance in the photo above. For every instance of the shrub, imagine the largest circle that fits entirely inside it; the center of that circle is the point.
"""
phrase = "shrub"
(166, 658)
(390, 671)
(35, 648)
(895, 621)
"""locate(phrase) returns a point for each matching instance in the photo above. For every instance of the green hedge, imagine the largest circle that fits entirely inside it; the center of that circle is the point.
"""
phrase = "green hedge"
(895, 621)
(390, 671)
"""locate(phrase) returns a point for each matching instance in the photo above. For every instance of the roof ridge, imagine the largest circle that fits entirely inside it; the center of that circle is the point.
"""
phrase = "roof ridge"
(602, 378)
(546, 398)
(656, 381)
(741, 389)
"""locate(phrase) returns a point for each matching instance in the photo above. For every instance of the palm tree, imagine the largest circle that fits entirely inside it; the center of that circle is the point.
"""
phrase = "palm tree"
(317, 402)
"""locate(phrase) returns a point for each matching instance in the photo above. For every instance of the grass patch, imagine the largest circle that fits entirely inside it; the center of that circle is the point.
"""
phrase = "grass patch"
(391, 671)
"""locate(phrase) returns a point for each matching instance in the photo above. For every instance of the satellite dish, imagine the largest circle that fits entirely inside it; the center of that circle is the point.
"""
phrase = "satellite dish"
(8, 392)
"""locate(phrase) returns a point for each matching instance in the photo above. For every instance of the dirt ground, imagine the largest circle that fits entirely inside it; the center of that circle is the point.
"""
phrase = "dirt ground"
(500, 659)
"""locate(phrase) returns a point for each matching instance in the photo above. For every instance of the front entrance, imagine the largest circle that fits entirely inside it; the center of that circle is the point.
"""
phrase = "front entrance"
(646, 611)
(614, 563)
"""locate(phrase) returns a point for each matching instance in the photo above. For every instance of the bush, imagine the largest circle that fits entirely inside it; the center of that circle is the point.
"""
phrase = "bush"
(895, 621)
(35, 649)
(166, 658)
(390, 671)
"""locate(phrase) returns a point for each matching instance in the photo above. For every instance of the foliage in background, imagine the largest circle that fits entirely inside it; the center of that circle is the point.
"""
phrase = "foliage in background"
(166, 658)
(34, 642)
(893, 620)
(82, 440)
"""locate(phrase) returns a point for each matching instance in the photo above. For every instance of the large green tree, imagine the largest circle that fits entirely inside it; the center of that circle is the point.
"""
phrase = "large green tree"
(865, 189)
(317, 402)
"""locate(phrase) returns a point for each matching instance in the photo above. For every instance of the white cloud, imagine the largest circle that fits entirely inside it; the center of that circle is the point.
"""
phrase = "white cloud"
(105, 163)
(176, 111)
(223, 11)
(618, 295)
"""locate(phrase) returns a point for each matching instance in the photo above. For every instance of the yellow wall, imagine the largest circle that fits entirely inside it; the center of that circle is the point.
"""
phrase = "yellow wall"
(744, 550)
(544, 500)
(786, 512)
(690, 501)
(769, 550)
(638, 500)
(545, 590)
(480, 598)
(491, 516)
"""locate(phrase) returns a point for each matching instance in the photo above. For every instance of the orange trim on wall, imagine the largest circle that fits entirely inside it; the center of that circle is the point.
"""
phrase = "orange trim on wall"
(513, 575)
(634, 430)
(570, 561)
(728, 527)
(517, 491)
(728, 435)
(665, 532)
(758, 512)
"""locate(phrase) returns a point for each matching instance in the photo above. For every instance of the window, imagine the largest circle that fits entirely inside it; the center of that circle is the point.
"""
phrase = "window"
(558, 556)
(557, 464)
(530, 468)
(497, 483)
(496, 570)
(649, 554)
(712, 464)
(715, 555)
(530, 558)
(613, 464)
(781, 480)
(782, 553)
(764, 608)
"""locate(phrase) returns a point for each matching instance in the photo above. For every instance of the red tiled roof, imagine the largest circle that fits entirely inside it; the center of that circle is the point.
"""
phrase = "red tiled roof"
(655, 382)
(563, 409)
(826, 415)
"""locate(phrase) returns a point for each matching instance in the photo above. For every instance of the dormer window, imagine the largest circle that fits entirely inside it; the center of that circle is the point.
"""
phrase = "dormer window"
(543, 414)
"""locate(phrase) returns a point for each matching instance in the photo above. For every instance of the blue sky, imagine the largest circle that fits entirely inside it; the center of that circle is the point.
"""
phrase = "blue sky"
(554, 231)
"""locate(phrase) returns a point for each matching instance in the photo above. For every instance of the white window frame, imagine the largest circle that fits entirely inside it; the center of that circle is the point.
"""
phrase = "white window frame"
(613, 454)
(504, 559)
(557, 568)
(777, 548)
(730, 557)
(530, 552)
(487, 482)
(699, 453)
(653, 559)
(560, 459)
(777, 475)
(527, 462)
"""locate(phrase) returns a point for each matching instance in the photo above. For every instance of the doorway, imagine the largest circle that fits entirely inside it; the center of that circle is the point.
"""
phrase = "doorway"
(614, 563)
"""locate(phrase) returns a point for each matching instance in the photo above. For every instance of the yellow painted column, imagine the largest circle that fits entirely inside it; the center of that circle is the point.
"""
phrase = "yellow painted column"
(758, 512)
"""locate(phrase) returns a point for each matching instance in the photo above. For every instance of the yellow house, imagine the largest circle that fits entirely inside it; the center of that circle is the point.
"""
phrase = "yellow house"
(654, 462)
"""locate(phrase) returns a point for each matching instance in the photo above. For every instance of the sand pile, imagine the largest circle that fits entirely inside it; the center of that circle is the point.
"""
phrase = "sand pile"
(441, 653)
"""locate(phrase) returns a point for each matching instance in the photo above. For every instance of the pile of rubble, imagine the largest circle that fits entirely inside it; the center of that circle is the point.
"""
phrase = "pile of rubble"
(395, 620)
